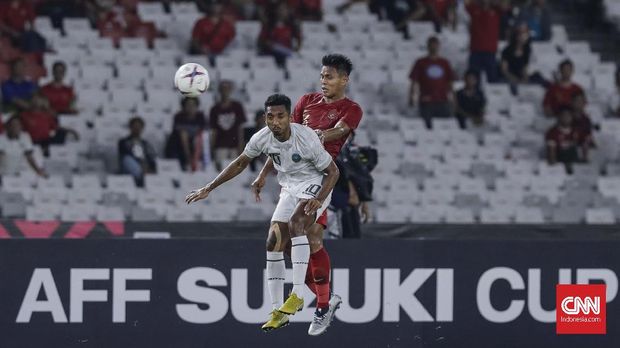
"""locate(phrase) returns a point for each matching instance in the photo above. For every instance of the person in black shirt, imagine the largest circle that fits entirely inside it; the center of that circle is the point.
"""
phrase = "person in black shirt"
(470, 101)
(516, 58)
(136, 156)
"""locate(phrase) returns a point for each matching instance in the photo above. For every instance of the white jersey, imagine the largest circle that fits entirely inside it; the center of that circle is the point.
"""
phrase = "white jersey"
(300, 159)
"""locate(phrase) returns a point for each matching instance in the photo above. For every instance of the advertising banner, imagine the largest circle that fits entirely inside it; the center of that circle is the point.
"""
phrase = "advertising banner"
(187, 293)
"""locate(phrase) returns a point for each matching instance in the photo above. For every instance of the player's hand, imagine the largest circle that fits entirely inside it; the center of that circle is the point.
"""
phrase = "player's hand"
(257, 186)
(197, 195)
(365, 212)
(320, 134)
(312, 205)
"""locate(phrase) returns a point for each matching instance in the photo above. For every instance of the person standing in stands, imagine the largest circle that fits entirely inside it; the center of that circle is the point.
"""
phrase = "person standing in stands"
(431, 85)
(213, 33)
(185, 143)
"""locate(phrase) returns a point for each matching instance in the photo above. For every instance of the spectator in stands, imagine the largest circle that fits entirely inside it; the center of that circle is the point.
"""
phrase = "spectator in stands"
(538, 18)
(60, 95)
(614, 101)
(259, 123)
(136, 156)
(16, 17)
(15, 146)
(226, 120)
(563, 141)
(185, 143)
(17, 90)
(515, 60)
(212, 33)
(440, 12)
(484, 36)
(280, 35)
(431, 84)
(470, 101)
(582, 122)
(560, 94)
(42, 125)
(308, 10)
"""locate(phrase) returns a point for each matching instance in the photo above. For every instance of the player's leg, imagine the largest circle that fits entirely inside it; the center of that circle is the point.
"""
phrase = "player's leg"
(277, 240)
(299, 224)
(321, 269)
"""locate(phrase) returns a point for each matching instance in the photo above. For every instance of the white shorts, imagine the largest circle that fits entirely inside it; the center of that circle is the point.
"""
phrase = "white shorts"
(290, 198)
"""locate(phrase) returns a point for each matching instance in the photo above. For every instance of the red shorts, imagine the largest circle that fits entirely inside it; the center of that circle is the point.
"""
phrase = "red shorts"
(322, 219)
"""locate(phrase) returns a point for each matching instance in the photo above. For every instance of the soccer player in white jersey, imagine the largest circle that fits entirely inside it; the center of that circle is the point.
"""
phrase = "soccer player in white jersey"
(307, 175)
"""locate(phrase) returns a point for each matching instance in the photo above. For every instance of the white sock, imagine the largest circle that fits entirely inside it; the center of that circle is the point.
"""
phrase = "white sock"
(300, 254)
(276, 271)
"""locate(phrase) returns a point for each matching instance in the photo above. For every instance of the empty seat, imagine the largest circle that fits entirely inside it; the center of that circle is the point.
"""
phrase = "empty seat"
(600, 216)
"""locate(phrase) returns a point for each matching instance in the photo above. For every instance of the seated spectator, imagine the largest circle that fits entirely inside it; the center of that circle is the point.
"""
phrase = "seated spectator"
(581, 121)
(212, 33)
(15, 146)
(484, 36)
(560, 94)
(470, 101)
(60, 96)
(431, 84)
(16, 17)
(136, 156)
(259, 123)
(515, 60)
(538, 18)
(441, 12)
(226, 120)
(614, 101)
(563, 142)
(307, 10)
(17, 90)
(280, 35)
(42, 125)
(185, 143)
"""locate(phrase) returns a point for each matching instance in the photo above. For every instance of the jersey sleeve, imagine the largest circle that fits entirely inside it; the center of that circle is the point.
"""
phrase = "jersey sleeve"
(320, 158)
(253, 148)
(353, 116)
(298, 111)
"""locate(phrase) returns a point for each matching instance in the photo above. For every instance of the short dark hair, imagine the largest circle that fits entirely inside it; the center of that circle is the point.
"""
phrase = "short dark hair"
(279, 99)
(432, 39)
(340, 62)
(564, 109)
(59, 63)
(135, 119)
(472, 72)
(184, 101)
(566, 62)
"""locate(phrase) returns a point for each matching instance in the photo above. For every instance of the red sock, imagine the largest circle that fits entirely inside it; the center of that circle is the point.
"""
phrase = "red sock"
(320, 271)
(309, 278)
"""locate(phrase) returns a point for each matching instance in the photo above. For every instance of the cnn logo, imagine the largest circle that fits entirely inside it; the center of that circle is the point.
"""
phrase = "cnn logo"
(581, 309)
(574, 305)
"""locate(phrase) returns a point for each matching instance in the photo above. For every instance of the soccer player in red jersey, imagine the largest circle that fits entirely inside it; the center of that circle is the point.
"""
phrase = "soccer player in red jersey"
(333, 116)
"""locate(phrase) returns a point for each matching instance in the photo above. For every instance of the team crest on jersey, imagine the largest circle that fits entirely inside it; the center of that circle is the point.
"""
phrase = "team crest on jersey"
(332, 114)
(296, 157)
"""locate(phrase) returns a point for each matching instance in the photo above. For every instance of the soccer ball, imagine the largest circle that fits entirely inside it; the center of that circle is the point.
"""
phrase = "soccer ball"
(191, 79)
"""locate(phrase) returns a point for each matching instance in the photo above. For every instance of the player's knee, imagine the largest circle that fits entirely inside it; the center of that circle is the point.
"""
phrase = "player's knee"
(296, 226)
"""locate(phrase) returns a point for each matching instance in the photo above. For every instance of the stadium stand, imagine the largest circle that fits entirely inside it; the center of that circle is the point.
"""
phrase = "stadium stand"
(494, 173)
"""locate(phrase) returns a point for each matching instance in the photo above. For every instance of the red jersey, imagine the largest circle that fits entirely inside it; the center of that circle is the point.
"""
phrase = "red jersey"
(214, 36)
(435, 78)
(39, 124)
(282, 34)
(484, 28)
(441, 7)
(559, 96)
(312, 111)
(563, 138)
(15, 14)
(59, 97)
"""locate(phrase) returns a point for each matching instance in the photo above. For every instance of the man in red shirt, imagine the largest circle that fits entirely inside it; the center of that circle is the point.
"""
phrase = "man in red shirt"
(280, 35)
(42, 125)
(561, 93)
(213, 33)
(333, 116)
(484, 36)
(563, 141)
(431, 84)
(16, 17)
(60, 96)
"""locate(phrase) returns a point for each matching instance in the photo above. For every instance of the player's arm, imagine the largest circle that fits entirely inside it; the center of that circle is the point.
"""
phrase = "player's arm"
(340, 130)
(329, 181)
(232, 170)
